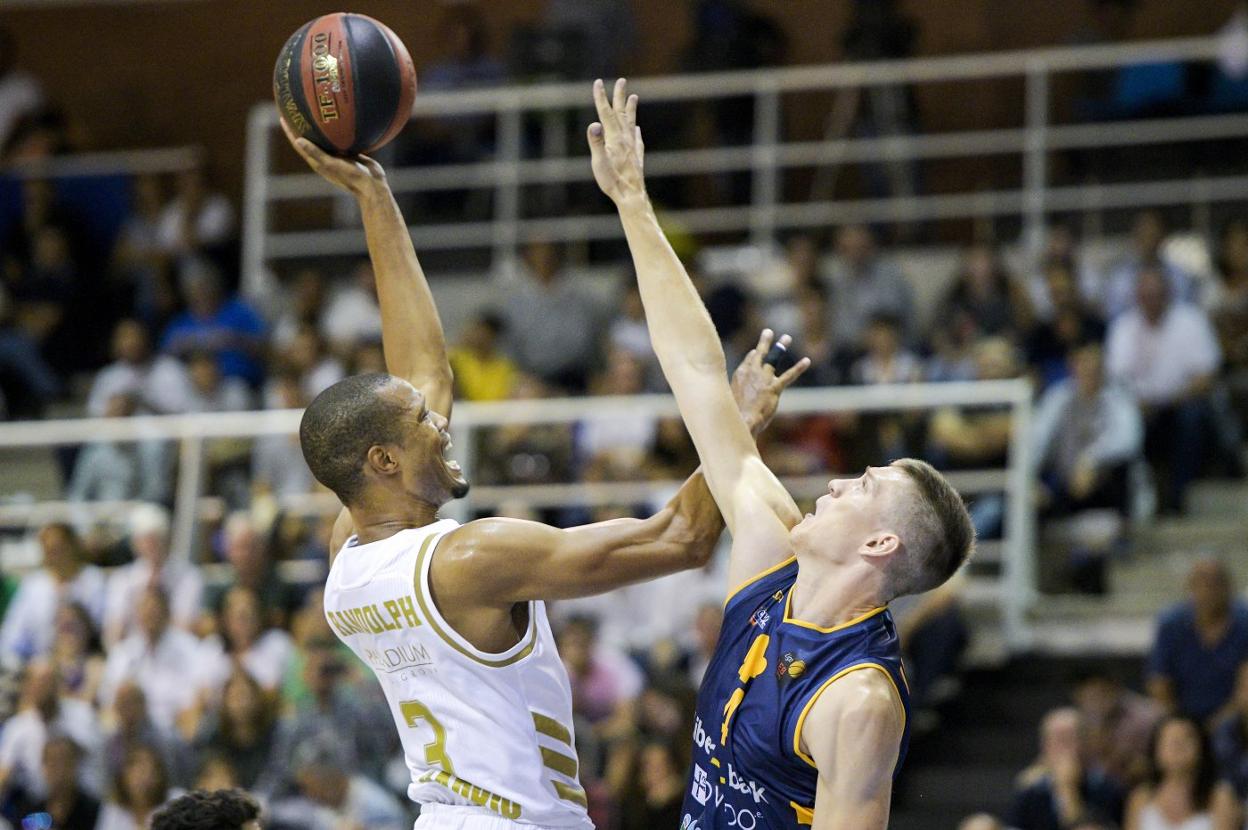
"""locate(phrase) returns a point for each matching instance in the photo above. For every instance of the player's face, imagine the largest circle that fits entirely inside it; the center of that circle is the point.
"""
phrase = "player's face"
(852, 509)
(429, 472)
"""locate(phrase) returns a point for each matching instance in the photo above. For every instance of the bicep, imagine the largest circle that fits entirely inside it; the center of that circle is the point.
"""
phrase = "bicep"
(508, 560)
(853, 733)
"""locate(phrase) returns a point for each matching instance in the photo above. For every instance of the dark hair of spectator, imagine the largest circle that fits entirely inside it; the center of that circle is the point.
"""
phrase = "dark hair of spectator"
(1234, 224)
(94, 645)
(200, 810)
(341, 424)
(1206, 777)
(262, 716)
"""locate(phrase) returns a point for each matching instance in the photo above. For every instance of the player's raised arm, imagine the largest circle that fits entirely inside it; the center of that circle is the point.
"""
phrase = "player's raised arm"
(753, 502)
(508, 560)
(411, 331)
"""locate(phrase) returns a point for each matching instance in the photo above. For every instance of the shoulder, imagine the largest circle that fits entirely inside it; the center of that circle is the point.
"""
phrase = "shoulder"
(1138, 799)
(862, 703)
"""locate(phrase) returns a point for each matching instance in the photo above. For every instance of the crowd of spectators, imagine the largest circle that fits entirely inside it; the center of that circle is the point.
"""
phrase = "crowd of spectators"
(1174, 757)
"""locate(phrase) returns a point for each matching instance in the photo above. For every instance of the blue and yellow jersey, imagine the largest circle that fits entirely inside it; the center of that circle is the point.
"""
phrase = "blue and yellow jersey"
(767, 671)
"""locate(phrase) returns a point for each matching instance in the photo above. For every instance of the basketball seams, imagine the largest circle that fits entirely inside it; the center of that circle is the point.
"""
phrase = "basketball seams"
(407, 85)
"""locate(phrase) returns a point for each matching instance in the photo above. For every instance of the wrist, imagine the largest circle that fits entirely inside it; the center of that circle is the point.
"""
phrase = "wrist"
(372, 193)
(635, 205)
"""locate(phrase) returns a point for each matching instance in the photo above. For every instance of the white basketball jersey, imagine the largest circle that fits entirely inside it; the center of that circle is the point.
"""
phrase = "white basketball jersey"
(490, 730)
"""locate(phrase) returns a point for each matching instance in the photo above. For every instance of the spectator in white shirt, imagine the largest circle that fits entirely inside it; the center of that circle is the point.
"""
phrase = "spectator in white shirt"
(163, 660)
(1166, 354)
(333, 796)
(28, 627)
(195, 220)
(1086, 434)
(353, 315)
(20, 93)
(43, 713)
(265, 654)
(152, 565)
(160, 383)
(1118, 294)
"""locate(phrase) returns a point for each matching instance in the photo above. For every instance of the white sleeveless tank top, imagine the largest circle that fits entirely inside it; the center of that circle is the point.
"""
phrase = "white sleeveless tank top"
(1152, 819)
(492, 731)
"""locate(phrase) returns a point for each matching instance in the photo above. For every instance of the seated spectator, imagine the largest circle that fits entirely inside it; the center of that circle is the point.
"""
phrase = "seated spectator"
(1165, 353)
(107, 470)
(196, 220)
(210, 390)
(165, 661)
(252, 567)
(560, 355)
(245, 642)
(225, 327)
(613, 446)
(964, 438)
(1062, 787)
(777, 284)
(243, 729)
(139, 262)
(42, 713)
(329, 711)
(1182, 791)
(27, 382)
(331, 796)
(1118, 724)
(985, 297)
(307, 357)
(21, 94)
(863, 287)
(603, 680)
(77, 653)
(1086, 434)
(1200, 646)
(222, 809)
(1227, 304)
(216, 773)
(483, 372)
(44, 296)
(302, 305)
(131, 727)
(1071, 322)
(152, 565)
(885, 358)
(277, 465)
(160, 382)
(1121, 287)
(1230, 738)
(829, 364)
(353, 316)
(138, 791)
(933, 635)
(65, 576)
(65, 801)
(657, 789)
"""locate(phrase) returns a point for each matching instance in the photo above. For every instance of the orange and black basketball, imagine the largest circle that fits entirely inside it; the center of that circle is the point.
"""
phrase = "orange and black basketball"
(345, 82)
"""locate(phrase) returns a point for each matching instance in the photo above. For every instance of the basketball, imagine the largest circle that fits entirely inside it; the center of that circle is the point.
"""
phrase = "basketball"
(345, 82)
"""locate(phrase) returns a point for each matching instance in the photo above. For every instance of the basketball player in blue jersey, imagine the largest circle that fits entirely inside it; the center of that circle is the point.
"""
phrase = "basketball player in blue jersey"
(802, 715)
(450, 617)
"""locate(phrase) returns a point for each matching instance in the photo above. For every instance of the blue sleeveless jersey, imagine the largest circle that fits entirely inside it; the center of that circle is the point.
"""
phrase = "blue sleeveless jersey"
(748, 770)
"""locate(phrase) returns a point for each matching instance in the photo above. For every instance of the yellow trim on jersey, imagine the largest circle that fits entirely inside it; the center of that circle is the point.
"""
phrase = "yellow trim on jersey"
(797, 731)
(558, 762)
(551, 728)
(756, 578)
(569, 793)
(788, 602)
(450, 641)
(805, 815)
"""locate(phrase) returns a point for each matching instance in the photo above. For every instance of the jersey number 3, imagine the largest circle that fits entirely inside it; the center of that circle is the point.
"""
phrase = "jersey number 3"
(435, 752)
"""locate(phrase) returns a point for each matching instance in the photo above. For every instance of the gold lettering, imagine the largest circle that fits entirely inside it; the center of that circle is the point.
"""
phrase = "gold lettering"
(393, 608)
(409, 611)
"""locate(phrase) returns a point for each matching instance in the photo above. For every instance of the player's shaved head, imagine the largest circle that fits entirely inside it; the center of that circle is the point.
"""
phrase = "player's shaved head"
(342, 423)
(936, 530)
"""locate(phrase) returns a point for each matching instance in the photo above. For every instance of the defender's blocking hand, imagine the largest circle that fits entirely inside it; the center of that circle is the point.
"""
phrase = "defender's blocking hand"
(615, 146)
(756, 387)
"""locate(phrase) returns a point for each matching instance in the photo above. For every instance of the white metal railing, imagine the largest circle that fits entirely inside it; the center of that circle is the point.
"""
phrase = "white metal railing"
(1013, 589)
(764, 159)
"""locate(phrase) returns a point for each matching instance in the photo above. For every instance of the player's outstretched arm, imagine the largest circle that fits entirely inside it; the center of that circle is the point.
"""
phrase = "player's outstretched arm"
(853, 735)
(753, 502)
(506, 560)
(411, 330)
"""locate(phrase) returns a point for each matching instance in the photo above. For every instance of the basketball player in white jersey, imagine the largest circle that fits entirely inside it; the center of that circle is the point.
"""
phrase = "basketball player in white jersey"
(451, 617)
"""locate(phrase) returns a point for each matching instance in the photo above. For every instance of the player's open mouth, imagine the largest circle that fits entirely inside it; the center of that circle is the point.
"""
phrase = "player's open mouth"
(451, 464)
